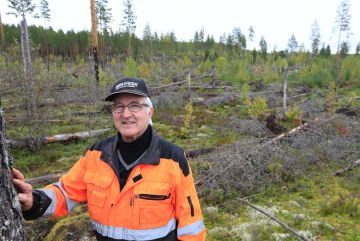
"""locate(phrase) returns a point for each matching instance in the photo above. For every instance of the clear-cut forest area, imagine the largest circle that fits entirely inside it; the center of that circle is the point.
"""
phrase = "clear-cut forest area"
(272, 136)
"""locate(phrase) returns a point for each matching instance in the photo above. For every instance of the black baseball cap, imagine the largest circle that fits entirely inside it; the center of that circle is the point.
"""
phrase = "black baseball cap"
(128, 85)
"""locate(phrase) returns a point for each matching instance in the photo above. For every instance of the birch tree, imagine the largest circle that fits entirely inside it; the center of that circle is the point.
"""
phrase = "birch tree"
(20, 8)
(10, 211)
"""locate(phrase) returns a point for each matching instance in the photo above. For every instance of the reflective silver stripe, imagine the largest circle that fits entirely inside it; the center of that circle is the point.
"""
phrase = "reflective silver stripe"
(191, 229)
(133, 234)
(51, 209)
(70, 204)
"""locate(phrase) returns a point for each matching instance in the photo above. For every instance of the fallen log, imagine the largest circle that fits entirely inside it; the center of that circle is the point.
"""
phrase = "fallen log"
(198, 152)
(350, 167)
(43, 180)
(57, 138)
(289, 133)
(284, 225)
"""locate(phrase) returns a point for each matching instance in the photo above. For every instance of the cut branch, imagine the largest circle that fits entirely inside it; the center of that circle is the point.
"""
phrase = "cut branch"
(284, 225)
(47, 179)
(348, 168)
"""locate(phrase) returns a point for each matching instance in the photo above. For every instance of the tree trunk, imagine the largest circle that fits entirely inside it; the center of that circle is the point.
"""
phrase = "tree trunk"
(94, 41)
(47, 49)
(285, 91)
(129, 45)
(31, 110)
(10, 211)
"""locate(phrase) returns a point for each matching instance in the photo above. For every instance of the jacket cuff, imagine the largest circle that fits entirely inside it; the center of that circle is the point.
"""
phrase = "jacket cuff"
(40, 203)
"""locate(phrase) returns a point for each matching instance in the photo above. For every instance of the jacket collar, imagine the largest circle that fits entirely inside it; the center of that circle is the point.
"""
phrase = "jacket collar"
(151, 156)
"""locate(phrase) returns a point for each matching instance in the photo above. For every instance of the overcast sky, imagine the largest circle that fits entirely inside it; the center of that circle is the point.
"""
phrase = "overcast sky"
(276, 20)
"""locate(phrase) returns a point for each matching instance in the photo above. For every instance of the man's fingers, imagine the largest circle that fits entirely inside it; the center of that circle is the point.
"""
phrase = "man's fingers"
(17, 174)
(22, 186)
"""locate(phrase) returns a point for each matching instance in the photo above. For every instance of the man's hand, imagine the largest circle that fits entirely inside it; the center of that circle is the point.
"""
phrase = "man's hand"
(24, 190)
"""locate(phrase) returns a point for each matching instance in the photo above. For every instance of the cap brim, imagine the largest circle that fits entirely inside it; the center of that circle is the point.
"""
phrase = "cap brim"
(112, 95)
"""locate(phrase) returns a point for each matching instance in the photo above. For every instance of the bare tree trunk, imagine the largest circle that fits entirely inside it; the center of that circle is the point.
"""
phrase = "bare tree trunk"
(10, 211)
(29, 80)
(94, 41)
(337, 81)
(129, 46)
(47, 49)
(285, 90)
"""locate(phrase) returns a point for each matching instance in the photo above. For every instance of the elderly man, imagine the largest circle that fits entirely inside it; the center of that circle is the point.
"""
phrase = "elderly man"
(137, 185)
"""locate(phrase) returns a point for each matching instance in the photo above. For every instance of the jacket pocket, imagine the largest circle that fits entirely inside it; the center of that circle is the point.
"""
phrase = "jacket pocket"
(153, 201)
(153, 196)
(97, 192)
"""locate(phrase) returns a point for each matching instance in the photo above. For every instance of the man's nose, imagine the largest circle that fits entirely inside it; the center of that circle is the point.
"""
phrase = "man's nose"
(126, 112)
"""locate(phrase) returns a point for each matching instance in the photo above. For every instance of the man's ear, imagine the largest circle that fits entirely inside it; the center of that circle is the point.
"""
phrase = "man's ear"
(151, 111)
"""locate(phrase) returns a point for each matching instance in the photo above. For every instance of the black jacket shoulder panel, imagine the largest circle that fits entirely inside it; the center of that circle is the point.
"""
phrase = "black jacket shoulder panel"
(103, 144)
(169, 150)
(107, 147)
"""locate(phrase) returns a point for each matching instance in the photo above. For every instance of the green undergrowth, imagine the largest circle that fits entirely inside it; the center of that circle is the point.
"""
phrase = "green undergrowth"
(319, 205)
(50, 158)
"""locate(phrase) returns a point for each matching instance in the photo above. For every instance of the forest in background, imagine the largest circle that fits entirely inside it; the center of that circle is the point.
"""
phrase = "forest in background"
(280, 121)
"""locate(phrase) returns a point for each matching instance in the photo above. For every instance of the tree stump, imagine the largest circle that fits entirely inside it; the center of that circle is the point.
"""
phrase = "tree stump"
(11, 227)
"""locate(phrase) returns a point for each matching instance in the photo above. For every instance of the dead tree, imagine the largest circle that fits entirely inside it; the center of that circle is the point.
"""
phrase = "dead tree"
(10, 211)
(94, 41)
(30, 88)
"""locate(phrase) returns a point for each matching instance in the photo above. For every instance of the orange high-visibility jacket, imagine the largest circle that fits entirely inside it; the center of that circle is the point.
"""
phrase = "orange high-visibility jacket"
(158, 202)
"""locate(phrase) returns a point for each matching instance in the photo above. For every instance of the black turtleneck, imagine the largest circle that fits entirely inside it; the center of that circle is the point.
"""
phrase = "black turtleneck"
(130, 152)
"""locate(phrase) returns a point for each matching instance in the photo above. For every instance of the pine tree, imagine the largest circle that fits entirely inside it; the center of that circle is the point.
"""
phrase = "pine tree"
(342, 23)
(263, 47)
(315, 38)
(45, 14)
(129, 23)
(292, 44)
(251, 34)
(104, 18)
(148, 43)
(357, 50)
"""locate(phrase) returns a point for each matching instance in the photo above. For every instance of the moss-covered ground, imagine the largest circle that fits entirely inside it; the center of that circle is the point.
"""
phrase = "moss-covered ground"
(318, 204)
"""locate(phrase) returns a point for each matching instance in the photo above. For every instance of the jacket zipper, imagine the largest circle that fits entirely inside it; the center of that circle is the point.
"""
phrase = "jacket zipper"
(191, 206)
(152, 196)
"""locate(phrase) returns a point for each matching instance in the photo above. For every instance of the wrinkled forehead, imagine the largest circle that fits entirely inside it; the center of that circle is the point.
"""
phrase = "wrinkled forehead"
(127, 98)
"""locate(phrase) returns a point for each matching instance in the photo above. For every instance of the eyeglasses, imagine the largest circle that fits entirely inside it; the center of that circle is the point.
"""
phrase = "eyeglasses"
(132, 107)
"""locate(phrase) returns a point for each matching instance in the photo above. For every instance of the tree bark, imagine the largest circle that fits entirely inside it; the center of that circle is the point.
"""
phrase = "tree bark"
(94, 41)
(11, 227)
(285, 91)
(30, 89)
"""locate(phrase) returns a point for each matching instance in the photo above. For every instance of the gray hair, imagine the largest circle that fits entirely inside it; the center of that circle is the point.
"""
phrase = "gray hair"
(150, 105)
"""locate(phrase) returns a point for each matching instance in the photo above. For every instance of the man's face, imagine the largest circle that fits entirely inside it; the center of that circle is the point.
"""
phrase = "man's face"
(131, 124)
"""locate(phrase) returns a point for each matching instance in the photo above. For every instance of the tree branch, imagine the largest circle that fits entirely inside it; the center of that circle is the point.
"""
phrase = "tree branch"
(284, 225)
